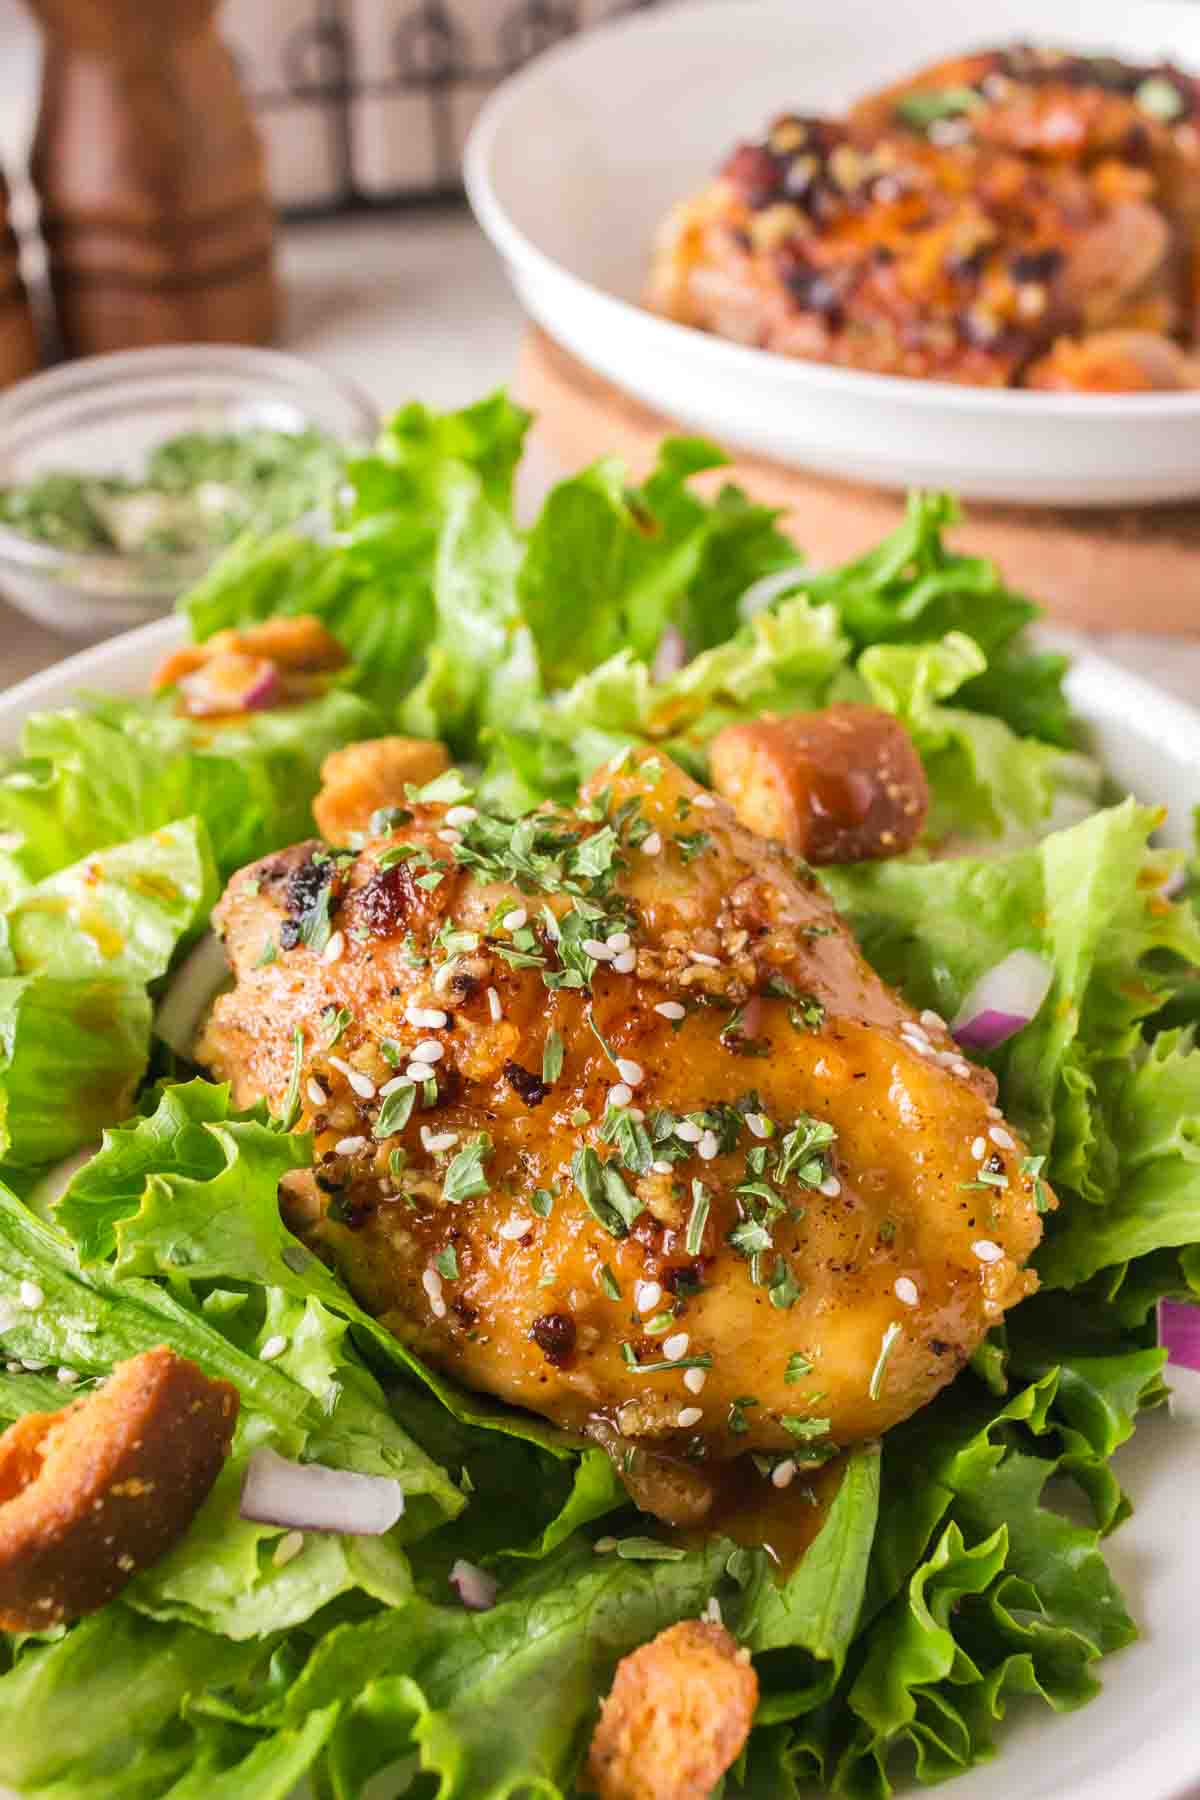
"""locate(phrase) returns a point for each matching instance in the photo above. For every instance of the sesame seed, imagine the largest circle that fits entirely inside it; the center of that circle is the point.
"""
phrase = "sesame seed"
(921, 1045)
(712, 1612)
(334, 948)
(417, 1072)
(831, 1187)
(438, 1140)
(513, 921)
(604, 1546)
(68, 1377)
(461, 815)
(646, 1296)
(362, 1084)
(637, 1114)
(288, 1548)
(661, 1166)
(759, 1125)
(960, 1068)
(689, 1415)
(431, 1281)
(620, 1095)
(783, 1474)
(431, 1018)
(625, 962)
(671, 1009)
(709, 1145)
(494, 1007)
(702, 956)
(350, 1146)
(450, 836)
(316, 1093)
(652, 845)
(274, 1346)
(932, 1021)
(429, 1051)
(703, 799)
(905, 1291)
(618, 940)
(986, 1250)
(630, 1071)
(1001, 1137)
(694, 1379)
(394, 1085)
(596, 950)
(513, 1228)
(31, 1296)
(689, 1133)
(993, 1112)
(675, 1346)
(979, 1149)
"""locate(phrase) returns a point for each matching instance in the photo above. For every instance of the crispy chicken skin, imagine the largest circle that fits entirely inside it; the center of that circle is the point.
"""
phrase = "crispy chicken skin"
(958, 225)
(360, 778)
(793, 1210)
(678, 1714)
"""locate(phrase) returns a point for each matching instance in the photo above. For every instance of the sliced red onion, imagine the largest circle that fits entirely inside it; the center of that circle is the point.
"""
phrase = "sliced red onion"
(1003, 1001)
(201, 975)
(1179, 1332)
(311, 1497)
(671, 655)
(232, 683)
(474, 1586)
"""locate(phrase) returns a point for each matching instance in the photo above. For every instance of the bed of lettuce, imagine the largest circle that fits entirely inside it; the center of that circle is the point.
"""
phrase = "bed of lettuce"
(944, 1584)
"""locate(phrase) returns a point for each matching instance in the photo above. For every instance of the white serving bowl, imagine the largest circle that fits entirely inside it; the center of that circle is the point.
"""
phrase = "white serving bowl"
(574, 162)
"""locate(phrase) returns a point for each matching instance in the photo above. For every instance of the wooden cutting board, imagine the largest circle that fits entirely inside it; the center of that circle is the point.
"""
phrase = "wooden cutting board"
(1111, 570)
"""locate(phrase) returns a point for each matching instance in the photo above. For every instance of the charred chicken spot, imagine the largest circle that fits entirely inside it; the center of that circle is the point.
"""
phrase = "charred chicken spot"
(385, 901)
(1036, 265)
(310, 897)
(685, 1279)
(554, 1335)
(527, 1086)
(995, 1163)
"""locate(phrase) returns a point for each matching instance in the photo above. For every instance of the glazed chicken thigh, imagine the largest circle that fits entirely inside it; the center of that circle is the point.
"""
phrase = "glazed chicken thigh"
(613, 1121)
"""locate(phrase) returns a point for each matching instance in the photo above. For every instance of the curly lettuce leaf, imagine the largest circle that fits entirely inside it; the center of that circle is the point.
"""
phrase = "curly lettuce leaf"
(119, 769)
(79, 949)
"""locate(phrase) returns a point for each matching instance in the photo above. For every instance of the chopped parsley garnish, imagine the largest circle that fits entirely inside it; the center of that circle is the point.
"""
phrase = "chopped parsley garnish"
(628, 1352)
(446, 789)
(875, 1385)
(609, 1283)
(783, 1290)
(454, 941)
(412, 955)
(750, 1238)
(798, 1366)
(395, 1112)
(739, 1424)
(465, 1176)
(604, 1192)
(291, 1099)
(802, 1151)
(446, 1263)
(631, 1138)
(698, 1218)
(691, 845)
(541, 1201)
(334, 1020)
(1032, 1167)
(397, 1162)
(397, 853)
(433, 878)
(552, 1057)
(267, 954)
(388, 818)
(804, 1429)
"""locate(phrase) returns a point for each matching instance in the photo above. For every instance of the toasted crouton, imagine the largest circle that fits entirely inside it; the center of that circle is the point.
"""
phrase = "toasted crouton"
(299, 645)
(93, 1494)
(838, 786)
(679, 1711)
(361, 778)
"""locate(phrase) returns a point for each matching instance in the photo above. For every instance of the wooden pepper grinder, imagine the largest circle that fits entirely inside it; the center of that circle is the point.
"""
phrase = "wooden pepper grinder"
(154, 203)
(18, 340)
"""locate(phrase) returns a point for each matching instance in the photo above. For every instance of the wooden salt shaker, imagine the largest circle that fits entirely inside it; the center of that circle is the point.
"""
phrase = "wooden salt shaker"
(18, 340)
(154, 201)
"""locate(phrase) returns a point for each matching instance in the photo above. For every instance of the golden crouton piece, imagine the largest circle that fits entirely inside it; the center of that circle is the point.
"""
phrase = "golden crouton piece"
(93, 1494)
(679, 1711)
(838, 786)
(359, 779)
(299, 646)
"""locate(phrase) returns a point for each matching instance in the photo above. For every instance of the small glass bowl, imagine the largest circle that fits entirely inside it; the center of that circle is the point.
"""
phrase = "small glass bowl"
(103, 415)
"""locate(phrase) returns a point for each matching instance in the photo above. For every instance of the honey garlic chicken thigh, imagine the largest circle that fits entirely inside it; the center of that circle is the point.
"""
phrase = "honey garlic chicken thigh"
(612, 1120)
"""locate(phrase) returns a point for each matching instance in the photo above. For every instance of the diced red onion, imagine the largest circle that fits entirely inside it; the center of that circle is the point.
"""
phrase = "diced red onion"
(1003, 1001)
(311, 1497)
(474, 1586)
(671, 655)
(201, 975)
(1179, 1332)
(232, 683)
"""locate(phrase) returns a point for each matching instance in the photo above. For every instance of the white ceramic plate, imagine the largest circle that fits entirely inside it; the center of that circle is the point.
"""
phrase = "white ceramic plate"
(574, 162)
(1139, 1740)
